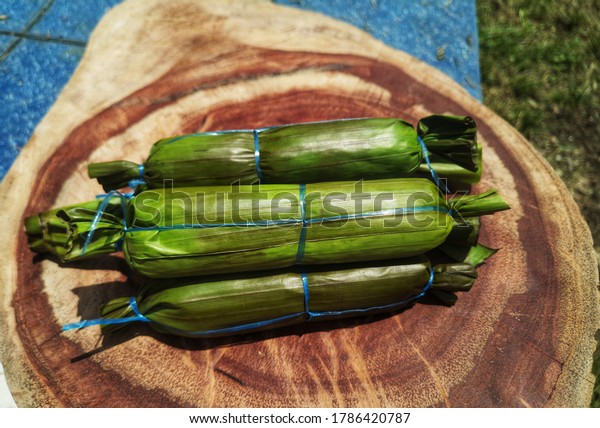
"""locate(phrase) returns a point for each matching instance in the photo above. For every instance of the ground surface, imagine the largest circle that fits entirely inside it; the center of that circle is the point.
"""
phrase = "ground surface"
(540, 70)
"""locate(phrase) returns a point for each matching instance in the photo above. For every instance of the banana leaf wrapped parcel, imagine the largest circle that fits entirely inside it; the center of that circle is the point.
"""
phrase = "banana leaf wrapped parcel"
(349, 149)
(49, 231)
(227, 305)
(166, 233)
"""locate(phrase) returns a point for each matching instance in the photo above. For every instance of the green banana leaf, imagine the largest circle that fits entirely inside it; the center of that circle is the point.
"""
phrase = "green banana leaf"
(203, 231)
(369, 148)
(49, 231)
(227, 305)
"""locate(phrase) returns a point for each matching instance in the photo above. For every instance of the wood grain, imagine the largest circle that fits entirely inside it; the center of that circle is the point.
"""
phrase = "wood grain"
(524, 336)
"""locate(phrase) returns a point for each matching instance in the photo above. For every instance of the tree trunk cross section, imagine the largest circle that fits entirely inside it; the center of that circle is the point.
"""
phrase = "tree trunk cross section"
(524, 335)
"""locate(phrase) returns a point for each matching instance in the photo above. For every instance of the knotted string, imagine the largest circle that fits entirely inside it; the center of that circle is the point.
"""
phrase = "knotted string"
(138, 181)
(100, 213)
(436, 178)
(254, 325)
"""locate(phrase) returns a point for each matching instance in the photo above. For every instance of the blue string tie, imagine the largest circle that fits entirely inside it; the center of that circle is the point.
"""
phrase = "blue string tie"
(302, 239)
(128, 195)
(106, 321)
(138, 181)
(100, 212)
(436, 178)
(306, 295)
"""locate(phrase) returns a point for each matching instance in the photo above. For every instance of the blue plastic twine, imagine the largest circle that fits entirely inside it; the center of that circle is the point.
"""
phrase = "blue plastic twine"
(138, 181)
(100, 213)
(302, 240)
(436, 178)
(128, 195)
(306, 295)
(105, 321)
(428, 285)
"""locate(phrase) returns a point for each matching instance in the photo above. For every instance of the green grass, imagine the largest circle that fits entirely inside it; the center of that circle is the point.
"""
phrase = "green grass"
(541, 72)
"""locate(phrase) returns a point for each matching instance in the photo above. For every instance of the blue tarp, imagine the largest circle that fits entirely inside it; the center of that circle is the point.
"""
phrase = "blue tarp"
(42, 41)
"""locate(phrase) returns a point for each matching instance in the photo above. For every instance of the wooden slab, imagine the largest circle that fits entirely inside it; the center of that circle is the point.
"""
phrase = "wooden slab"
(522, 337)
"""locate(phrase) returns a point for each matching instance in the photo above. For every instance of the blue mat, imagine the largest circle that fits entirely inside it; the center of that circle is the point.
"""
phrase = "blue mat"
(42, 41)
